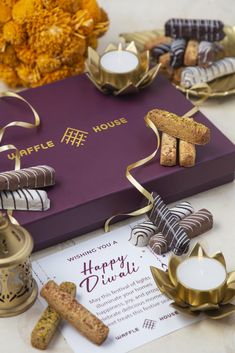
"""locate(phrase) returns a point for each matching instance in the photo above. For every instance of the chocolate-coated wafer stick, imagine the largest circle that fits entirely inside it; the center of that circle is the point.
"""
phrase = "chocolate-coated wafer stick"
(24, 200)
(161, 216)
(142, 232)
(34, 177)
(193, 75)
(49, 321)
(177, 52)
(210, 30)
(194, 225)
(75, 313)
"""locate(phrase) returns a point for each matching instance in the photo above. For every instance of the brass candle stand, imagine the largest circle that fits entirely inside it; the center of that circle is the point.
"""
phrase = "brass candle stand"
(214, 303)
(18, 289)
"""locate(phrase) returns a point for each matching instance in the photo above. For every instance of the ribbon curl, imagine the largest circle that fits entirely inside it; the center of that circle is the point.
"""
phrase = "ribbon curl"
(143, 161)
(135, 183)
(22, 124)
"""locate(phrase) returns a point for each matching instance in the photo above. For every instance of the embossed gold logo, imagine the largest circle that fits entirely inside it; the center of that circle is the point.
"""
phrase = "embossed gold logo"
(74, 137)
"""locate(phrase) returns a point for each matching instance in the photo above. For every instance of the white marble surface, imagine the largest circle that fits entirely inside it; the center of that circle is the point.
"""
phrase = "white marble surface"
(206, 336)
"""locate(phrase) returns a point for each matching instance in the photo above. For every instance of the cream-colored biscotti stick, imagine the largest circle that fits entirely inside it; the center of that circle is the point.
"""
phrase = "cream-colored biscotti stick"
(168, 150)
(75, 313)
(181, 127)
(49, 321)
(187, 154)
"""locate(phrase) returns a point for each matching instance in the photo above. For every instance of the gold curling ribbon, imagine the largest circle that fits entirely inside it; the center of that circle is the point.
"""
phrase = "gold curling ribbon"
(135, 183)
(143, 161)
(8, 147)
(198, 103)
(20, 123)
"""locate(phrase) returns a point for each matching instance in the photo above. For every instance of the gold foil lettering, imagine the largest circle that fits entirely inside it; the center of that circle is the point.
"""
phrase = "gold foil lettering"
(110, 124)
(36, 148)
(30, 149)
(96, 129)
(50, 144)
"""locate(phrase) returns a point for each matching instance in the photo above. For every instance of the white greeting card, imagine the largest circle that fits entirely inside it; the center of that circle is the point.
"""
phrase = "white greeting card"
(114, 282)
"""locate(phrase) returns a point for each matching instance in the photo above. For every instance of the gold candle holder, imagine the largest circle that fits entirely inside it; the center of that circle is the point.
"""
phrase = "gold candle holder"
(120, 71)
(18, 289)
(199, 283)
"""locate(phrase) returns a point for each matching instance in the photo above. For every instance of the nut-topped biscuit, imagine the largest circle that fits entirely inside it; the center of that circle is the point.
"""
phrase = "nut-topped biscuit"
(180, 127)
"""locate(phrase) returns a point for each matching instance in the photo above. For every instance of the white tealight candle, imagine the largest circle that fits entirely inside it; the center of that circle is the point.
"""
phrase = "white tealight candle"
(119, 61)
(201, 273)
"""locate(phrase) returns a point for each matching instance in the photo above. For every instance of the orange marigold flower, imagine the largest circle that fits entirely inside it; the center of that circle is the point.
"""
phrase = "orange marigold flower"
(2, 43)
(61, 73)
(92, 41)
(74, 49)
(14, 33)
(48, 30)
(9, 76)
(29, 76)
(93, 8)
(8, 56)
(26, 55)
(83, 22)
(70, 6)
(46, 64)
(5, 12)
(23, 10)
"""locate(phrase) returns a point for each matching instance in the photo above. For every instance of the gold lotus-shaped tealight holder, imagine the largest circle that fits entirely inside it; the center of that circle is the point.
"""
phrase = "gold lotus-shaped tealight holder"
(213, 301)
(133, 75)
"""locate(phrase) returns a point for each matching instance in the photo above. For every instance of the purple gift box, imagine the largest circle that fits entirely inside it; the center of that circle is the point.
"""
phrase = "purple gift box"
(89, 139)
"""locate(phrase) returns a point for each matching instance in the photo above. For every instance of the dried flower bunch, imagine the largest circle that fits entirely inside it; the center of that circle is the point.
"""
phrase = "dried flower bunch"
(46, 40)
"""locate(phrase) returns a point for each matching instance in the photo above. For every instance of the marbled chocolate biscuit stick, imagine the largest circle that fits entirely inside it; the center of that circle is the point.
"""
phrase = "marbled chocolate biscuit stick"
(75, 313)
(161, 216)
(181, 127)
(142, 232)
(194, 225)
(34, 177)
(48, 323)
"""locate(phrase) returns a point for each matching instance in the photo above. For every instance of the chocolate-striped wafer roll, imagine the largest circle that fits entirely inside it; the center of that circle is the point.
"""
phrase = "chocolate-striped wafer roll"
(194, 225)
(24, 200)
(161, 216)
(209, 30)
(177, 52)
(75, 313)
(207, 53)
(34, 177)
(160, 49)
(142, 232)
(191, 76)
(197, 223)
(49, 321)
